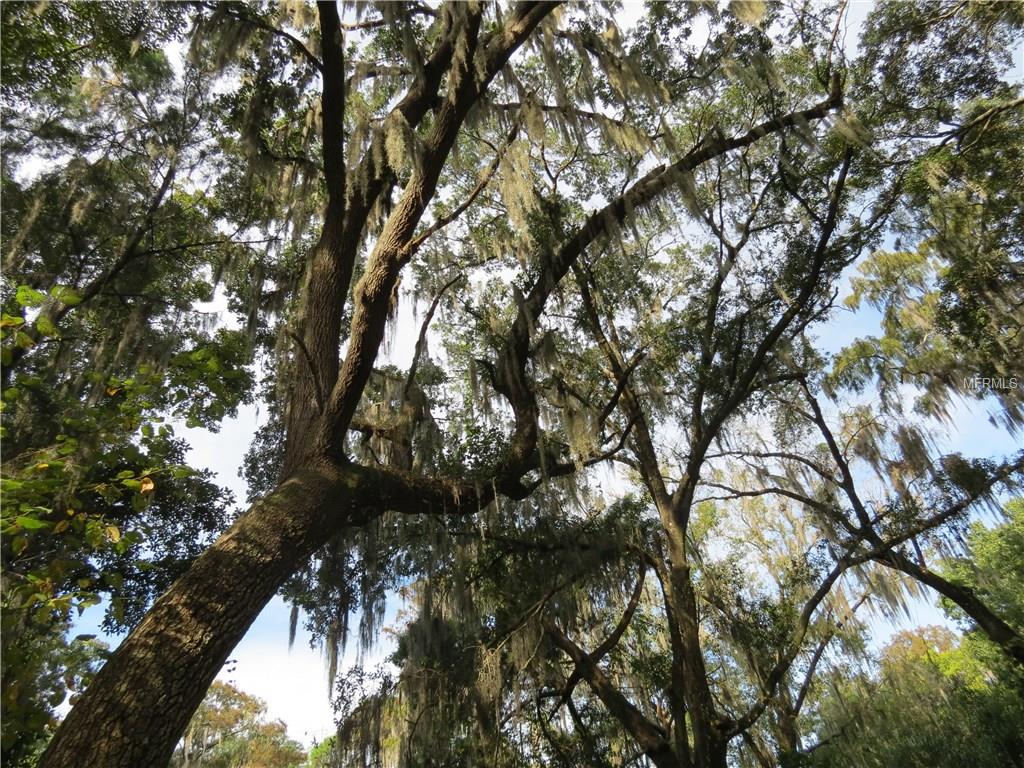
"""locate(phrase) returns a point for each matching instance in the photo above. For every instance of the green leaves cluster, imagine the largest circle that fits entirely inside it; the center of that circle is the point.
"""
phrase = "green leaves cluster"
(230, 730)
(938, 701)
(108, 246)
(678, 346)
(41, 671)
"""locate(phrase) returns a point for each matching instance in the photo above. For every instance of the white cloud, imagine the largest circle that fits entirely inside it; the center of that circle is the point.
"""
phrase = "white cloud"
(292, 683)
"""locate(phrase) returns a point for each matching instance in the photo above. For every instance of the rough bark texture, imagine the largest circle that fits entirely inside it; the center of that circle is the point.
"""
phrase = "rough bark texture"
(140, 703)
(330, 264)
(137, 711)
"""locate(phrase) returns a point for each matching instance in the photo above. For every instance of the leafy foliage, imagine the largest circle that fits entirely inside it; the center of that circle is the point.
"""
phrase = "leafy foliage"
(39, 673)
(936, 702)
(229, 730)
(993, 567)
(636, 508)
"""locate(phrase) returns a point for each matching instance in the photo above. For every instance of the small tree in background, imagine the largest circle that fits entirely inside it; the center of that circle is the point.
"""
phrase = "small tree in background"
(230, 730)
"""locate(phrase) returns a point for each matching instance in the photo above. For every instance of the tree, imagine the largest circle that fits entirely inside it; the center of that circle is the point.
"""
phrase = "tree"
(627, 238)
(993, 571)
(321, 755)
(229, 731)
(936, 703)
(39, 673)
(100, 343)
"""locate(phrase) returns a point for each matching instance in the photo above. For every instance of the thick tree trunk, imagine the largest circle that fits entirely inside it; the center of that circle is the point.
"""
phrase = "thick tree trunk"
(141, 701)
(709, 743)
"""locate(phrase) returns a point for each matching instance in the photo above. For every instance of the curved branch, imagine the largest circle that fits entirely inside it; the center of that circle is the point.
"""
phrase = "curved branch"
(608, 643)
(648, 736)
(421, 340)
(512, 361)
(444, 221)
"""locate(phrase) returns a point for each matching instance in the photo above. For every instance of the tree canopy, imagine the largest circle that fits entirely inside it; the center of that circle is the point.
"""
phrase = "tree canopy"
(535, 300)
(229, 730)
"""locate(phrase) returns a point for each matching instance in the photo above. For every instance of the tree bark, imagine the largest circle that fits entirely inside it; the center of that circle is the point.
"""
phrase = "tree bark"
(999, 632)
(140, 703)
(710, 743)
(649, 738)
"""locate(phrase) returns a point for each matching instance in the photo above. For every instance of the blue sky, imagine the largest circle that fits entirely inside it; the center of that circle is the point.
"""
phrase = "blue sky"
(294, 682)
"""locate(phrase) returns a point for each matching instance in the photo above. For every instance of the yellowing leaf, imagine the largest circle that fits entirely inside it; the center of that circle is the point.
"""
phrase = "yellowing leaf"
(113, 533)
(147, 486)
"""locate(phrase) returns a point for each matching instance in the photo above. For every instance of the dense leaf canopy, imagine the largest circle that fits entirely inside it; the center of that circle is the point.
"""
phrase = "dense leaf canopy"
(538, 303)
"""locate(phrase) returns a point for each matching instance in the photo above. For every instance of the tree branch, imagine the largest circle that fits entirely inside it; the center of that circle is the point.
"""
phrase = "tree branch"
(648, 736)
(227, 10)
(444, 221)
(608, 643)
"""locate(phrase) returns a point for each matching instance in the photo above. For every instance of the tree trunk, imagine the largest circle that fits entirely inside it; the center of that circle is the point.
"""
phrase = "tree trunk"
(710, 747)
(142, 700)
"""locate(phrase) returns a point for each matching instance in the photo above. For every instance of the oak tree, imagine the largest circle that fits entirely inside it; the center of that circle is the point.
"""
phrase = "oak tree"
(622, 239)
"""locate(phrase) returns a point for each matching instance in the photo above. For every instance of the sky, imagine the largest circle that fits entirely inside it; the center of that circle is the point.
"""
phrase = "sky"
(293, 681)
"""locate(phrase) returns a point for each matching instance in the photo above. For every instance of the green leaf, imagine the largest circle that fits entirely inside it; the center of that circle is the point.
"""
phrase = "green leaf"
(110, 493)
(46, 327)
(27, 296)
(32, 523)
(87, 601)
(95, 535)
(66, 295)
